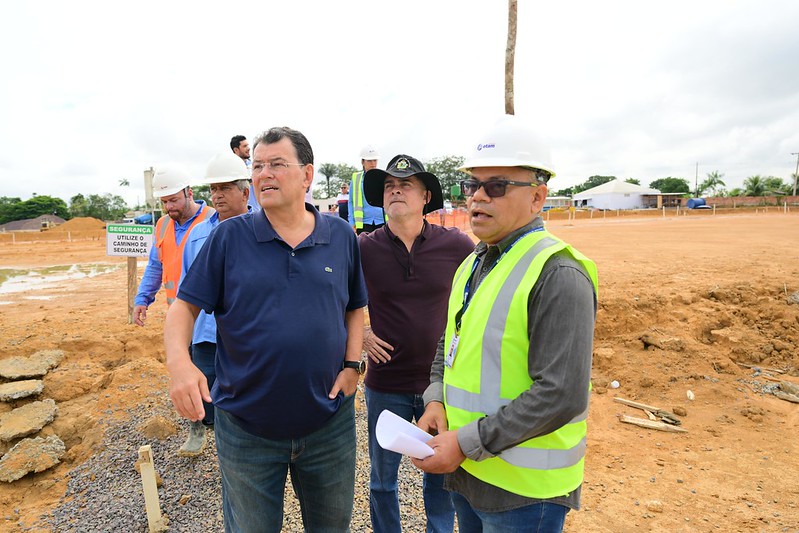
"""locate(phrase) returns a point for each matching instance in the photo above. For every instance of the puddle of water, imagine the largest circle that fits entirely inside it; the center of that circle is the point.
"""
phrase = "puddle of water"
(17, 280)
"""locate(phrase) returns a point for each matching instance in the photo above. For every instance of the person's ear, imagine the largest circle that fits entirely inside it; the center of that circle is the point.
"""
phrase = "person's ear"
(539, 198)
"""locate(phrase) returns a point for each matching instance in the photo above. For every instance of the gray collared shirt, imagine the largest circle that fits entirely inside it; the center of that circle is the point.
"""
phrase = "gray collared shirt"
(561, 314)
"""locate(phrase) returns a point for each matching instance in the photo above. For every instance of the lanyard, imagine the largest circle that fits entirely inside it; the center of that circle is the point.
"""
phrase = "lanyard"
(467, 292)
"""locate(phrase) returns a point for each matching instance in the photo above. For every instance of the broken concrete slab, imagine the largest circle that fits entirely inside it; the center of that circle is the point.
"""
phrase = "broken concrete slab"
(27, 419)
(34, 366)
(31, 455)
(15, 390)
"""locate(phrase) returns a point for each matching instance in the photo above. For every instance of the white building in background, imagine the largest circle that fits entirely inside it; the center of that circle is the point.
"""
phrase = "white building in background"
(616, 194)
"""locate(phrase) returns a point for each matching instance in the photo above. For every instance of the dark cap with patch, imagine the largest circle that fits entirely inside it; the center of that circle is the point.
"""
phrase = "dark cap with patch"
(402, 166)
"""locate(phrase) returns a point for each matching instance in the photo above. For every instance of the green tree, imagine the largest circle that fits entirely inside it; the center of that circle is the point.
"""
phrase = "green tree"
(202, 192)
(670, 184)
(7, 205)
(328, 170)
(634, 181)
(78, 206)
(106, 206)
(737, 191)
(338, 174)
(776, 186)
(568, 191)
(37, 206)
(755, 186)
(446, 170)
(590, 183)
(712, 183)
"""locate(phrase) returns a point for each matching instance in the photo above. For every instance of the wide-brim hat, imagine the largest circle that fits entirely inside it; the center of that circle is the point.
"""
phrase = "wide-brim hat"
(402, 166)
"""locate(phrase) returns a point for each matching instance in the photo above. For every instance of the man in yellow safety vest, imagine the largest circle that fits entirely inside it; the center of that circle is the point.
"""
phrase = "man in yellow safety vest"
(508, 397)
(365, 218)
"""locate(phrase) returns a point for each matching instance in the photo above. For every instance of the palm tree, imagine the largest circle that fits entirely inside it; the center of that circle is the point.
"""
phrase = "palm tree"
(124, 182)
(329, 170)
(510, 55)
(754, 186)
(713, 182)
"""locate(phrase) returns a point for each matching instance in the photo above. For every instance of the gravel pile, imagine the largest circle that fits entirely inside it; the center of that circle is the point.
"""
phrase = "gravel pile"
(105, 493)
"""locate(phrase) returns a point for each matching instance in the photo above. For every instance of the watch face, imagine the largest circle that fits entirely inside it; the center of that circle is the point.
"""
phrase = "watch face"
(358, 366)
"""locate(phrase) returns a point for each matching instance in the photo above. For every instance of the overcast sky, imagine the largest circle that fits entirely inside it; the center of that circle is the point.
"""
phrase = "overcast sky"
(96, 92)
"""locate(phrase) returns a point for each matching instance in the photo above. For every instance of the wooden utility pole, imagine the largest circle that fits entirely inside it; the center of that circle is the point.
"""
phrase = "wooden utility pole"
(510, 56)
(795, 174)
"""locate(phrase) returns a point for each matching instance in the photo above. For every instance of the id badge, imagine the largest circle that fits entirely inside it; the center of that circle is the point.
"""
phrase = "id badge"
(449, 360)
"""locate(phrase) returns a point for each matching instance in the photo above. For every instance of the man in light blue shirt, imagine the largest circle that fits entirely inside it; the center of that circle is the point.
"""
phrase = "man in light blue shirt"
(228, 179)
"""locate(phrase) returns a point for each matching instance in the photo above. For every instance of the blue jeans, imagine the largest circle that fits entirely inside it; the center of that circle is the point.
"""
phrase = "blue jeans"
(539, 517)
(322, 467)
(383, 498)
(203, 355)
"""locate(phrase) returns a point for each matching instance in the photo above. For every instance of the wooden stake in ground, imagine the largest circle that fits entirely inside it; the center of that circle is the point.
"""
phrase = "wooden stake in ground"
(644, 423)
(132, 288)
(154, 519)
(651, 411)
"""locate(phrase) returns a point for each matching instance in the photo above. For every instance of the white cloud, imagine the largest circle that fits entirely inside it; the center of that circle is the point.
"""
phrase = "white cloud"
(95, 92)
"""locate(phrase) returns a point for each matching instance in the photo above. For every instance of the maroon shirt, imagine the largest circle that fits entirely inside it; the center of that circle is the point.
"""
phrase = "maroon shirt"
(408, 296)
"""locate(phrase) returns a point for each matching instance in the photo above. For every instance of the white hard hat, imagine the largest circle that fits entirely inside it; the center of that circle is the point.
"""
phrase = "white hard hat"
(225, 167)
(369, 153)
(169, 180)
(511, 142)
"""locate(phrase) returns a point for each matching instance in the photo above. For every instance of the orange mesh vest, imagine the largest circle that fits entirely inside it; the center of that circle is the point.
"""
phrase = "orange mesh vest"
(170, 253)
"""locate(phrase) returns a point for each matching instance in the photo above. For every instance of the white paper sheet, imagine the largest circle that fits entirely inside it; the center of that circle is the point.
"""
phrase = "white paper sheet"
(396, 434)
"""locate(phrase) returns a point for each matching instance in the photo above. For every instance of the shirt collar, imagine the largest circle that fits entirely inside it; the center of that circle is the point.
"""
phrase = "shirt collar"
(425, 233)
(264, 231)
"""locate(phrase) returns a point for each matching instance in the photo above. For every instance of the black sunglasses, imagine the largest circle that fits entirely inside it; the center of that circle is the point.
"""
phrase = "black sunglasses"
(493, 188)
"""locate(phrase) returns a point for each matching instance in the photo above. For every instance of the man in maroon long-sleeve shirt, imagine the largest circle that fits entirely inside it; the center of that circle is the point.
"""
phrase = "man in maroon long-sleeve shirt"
(408, 265)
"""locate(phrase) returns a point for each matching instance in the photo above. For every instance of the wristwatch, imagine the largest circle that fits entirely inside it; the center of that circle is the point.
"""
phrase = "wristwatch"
(359, 366)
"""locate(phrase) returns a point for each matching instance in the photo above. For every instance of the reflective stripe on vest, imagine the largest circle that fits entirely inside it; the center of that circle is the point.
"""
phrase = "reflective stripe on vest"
(357, 199)
(170, 254)
(532, 467)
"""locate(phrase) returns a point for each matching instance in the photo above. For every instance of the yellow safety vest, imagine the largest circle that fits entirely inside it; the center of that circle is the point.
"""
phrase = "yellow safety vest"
(490, 370)
(357, 199)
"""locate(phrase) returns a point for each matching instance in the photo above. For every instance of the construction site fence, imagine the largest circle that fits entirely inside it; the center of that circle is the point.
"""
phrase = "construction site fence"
(458, 217)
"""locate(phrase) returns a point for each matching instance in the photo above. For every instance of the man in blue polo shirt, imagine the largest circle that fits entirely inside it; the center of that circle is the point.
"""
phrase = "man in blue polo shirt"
(286, 288)
(229, 182)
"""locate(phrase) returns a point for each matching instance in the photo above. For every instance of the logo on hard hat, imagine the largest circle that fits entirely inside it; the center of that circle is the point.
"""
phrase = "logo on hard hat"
(481, 146)
(402, 164)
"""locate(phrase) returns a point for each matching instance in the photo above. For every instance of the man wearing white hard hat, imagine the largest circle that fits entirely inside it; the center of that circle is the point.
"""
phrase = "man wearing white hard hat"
(229, 181)
(509, 385)
(363, 216)
(171, 185)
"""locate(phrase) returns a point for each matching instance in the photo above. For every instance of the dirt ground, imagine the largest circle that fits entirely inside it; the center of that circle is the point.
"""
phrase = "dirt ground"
(709, 295)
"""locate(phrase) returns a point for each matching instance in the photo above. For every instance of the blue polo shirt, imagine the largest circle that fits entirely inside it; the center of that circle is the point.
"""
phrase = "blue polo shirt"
(281, 336)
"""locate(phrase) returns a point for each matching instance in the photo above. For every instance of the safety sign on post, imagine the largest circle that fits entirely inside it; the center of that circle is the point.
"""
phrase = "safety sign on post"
(131, 241)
